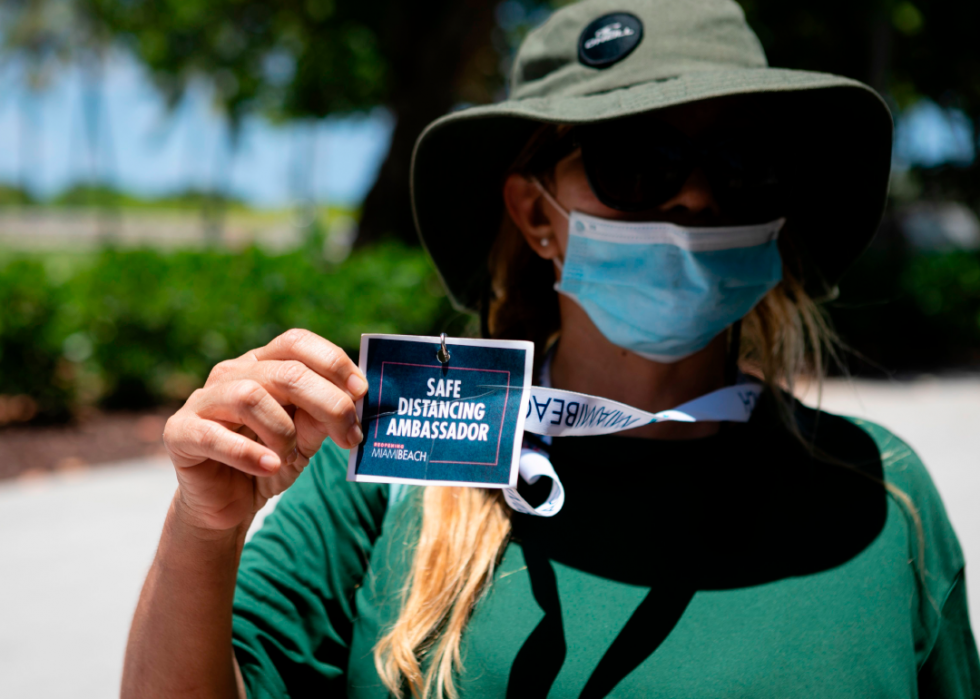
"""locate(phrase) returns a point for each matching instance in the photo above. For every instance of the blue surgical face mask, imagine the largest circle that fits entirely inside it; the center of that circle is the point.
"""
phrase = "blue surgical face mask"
(661, 290)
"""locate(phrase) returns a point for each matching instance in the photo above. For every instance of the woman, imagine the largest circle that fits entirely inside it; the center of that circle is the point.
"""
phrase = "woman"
(796, 554)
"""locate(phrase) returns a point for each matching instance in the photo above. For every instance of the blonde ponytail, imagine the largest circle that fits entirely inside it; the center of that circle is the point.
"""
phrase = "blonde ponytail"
(464, 531)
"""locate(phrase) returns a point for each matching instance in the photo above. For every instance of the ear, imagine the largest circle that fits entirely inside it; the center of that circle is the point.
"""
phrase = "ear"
(532, 216)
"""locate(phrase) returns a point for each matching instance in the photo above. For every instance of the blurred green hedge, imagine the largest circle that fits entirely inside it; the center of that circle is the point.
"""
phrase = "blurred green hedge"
(905, 311)
(132, 328)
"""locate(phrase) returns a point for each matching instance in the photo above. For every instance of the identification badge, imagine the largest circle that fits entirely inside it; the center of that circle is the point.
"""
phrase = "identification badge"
(434, 422)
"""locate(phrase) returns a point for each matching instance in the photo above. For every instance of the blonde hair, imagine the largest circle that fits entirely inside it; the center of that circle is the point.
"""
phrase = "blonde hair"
(465, 530)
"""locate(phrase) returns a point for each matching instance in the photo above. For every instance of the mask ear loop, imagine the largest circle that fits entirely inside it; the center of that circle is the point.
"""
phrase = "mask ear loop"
(547, 195)
(554, 202)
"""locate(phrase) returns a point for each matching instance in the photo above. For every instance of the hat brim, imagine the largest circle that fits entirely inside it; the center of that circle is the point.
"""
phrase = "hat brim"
(841, 133)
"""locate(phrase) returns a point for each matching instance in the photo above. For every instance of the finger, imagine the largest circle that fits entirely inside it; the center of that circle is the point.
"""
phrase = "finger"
(293, 383)
(247, 402)
(320, 355)
(229, 369)
(310, 434)
(193, 440)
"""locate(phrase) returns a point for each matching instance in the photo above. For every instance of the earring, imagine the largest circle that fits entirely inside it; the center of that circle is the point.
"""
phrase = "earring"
(545, 242)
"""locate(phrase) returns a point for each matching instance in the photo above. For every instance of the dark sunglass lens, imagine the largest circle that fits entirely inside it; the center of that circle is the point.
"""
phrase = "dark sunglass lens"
(632, 166)
(747, 178)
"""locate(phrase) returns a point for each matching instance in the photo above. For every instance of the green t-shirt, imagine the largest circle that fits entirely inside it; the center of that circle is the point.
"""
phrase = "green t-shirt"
(740, 565)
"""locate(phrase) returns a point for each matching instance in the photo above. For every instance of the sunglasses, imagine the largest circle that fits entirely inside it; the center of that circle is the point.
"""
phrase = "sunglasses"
(638, 164)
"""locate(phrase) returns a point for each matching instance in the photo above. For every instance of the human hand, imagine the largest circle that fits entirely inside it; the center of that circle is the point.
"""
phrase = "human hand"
(250, 432)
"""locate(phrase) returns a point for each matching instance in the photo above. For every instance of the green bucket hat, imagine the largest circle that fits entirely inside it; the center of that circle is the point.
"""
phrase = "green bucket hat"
(604, 59)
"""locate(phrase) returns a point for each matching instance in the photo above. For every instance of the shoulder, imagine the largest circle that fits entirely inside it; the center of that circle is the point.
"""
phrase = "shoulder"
(878, 452)
(933, 547)
(910, 483)
(902, 465)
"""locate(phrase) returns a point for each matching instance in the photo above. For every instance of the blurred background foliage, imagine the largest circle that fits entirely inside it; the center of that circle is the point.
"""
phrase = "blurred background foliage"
(136, 328)
(122, 327)
(304, 59)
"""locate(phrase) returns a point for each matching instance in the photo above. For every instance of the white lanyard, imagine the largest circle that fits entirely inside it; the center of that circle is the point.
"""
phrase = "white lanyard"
(556, 413)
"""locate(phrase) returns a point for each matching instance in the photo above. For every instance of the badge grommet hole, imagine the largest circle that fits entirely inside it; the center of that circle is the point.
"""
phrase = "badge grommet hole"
(442, 354)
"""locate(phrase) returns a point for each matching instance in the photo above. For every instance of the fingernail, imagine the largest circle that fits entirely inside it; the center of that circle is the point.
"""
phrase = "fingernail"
(356, 385)
(269, 462)
(293, 455)
(354, 435)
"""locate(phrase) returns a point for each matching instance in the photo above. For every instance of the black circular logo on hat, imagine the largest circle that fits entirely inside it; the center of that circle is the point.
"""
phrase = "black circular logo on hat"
(609, 39)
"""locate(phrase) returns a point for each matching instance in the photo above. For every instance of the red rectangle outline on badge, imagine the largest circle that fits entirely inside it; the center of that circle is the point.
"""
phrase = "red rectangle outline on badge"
(503, 415)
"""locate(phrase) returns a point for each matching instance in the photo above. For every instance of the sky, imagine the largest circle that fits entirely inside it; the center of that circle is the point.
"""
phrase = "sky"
(150, 150)
(929, 135)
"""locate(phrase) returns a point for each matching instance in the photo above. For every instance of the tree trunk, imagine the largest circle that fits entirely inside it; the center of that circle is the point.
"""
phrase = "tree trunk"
(431, 54)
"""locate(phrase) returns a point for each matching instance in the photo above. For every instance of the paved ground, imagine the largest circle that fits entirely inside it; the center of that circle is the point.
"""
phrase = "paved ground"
(74, 546)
